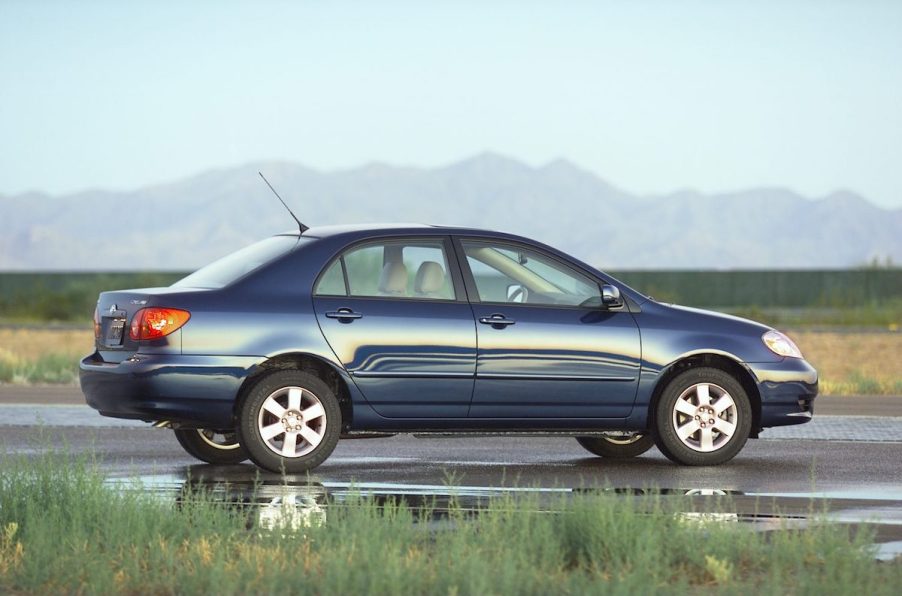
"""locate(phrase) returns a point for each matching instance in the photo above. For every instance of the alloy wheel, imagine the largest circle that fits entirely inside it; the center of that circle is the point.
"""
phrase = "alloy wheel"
(292, 422)
(704, 417)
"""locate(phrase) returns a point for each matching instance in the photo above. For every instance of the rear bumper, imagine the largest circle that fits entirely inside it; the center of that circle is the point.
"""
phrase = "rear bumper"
(193, 390)
(787, 389)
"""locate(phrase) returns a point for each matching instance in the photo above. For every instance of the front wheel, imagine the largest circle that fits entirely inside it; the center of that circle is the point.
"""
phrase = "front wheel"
(211, 446)
(616, 447)
(703, 418)
(290, 422)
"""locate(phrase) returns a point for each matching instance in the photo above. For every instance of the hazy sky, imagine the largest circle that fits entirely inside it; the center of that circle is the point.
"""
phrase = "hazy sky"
(653, 96)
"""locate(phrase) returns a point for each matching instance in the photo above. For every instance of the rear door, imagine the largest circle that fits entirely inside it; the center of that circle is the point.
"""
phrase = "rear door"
(547, 349)
(395, 314)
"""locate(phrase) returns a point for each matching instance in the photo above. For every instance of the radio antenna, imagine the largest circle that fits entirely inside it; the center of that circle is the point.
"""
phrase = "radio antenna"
(301, 226)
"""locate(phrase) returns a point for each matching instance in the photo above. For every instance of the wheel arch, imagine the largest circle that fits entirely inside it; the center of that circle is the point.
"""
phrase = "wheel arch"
(322, 368)
(725, 362)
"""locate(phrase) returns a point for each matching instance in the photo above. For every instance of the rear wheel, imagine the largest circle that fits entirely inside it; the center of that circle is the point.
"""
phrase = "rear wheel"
(618, 446)
(212, 446)
(290, 421)
(703, 418)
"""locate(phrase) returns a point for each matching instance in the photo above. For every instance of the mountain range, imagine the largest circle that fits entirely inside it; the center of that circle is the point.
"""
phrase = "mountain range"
(184, 224)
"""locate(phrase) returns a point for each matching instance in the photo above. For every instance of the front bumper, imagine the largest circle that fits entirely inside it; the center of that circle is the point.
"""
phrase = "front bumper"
(787, 390)
(192, 390)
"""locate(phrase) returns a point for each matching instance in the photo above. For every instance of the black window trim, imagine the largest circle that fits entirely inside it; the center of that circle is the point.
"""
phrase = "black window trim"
(457, 281)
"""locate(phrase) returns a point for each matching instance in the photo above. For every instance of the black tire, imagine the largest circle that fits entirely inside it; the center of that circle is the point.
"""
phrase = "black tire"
(685, 387)
(200, 445)
(614, 448)
(252, 416)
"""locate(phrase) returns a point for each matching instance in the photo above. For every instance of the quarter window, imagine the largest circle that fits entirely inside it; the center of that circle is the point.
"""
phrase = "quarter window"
(506, 273)
(414, 269)
(332, 282)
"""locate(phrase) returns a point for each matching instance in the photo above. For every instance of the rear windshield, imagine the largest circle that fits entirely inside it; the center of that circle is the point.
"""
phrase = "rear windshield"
(230, 268)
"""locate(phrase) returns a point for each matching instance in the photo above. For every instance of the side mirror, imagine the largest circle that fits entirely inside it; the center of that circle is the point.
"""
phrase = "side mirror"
(610, 296)
(516, 293)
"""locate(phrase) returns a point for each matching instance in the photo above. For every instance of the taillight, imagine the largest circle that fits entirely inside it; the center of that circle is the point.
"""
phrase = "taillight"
(97, 322)
(154, 323)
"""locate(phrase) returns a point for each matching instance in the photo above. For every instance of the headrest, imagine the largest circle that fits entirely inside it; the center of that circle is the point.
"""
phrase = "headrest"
(393, 281)
(430, 278)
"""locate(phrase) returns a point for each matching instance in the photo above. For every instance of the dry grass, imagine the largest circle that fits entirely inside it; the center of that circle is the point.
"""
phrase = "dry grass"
(848, 363)
(42, 355)
(31, 344)
(854, 363)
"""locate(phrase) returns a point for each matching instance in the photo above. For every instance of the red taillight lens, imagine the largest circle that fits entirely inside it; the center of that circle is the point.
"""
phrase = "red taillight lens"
(154, 323)
(96, 322)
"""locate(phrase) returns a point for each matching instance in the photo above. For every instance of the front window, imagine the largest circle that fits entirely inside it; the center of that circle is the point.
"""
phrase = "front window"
(406, 269)
(230, 268)
(505, 273)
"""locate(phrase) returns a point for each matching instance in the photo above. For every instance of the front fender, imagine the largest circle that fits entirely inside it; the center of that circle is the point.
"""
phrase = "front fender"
(672, 334)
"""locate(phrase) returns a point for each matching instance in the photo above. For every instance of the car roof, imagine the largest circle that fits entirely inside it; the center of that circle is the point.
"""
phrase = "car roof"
(401, 229)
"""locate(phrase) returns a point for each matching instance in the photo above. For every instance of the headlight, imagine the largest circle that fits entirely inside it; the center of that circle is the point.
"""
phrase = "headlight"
(781, 345)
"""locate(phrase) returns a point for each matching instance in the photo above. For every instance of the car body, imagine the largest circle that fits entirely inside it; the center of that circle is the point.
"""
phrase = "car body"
(419, 328)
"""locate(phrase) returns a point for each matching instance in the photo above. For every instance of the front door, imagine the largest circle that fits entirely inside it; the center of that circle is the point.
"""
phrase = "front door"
(394, 314)
(547, 348)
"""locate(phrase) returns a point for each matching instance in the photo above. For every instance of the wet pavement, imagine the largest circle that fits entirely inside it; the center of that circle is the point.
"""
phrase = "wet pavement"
(798, 466)
(847, 468)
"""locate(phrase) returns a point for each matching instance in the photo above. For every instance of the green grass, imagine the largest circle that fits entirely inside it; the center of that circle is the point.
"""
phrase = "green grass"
(887, 314)
(55, 368)
(63, 531)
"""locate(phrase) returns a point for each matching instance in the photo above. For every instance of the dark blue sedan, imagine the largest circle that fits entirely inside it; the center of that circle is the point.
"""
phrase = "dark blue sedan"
(280, 349)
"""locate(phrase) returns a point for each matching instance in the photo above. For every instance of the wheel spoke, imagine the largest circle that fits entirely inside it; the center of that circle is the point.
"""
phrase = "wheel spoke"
(273, 407)
(725, 426)
(684, 407)
(685, 431)
(288, 447)
(272, 431)
(294, 398)
(704, 397)
(313, 412)
(722, 404)
(707, 439)
(311, 436)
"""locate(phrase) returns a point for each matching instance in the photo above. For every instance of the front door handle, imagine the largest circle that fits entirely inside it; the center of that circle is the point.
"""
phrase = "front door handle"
(345, 315)
(497, 320)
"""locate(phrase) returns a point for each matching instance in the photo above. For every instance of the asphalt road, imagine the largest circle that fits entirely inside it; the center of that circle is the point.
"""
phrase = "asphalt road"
(859, 481)
(794, 465)
(867, 470)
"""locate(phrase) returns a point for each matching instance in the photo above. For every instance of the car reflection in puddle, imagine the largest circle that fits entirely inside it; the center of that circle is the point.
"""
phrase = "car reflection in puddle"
(293, 503)
(296, 502)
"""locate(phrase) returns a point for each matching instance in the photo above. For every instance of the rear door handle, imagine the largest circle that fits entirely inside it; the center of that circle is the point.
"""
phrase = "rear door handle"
(496, 320)
(344, 314)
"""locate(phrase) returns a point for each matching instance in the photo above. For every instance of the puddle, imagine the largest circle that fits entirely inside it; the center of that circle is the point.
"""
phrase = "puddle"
(885, 493)
(296, 502)
(889, 551)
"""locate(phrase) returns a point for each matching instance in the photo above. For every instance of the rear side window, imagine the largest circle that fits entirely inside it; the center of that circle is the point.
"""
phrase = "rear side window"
(230, 268)
(332, 283)
(411, 269)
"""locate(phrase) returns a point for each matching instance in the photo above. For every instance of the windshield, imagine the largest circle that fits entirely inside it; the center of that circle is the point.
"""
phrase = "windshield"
(221, 273)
